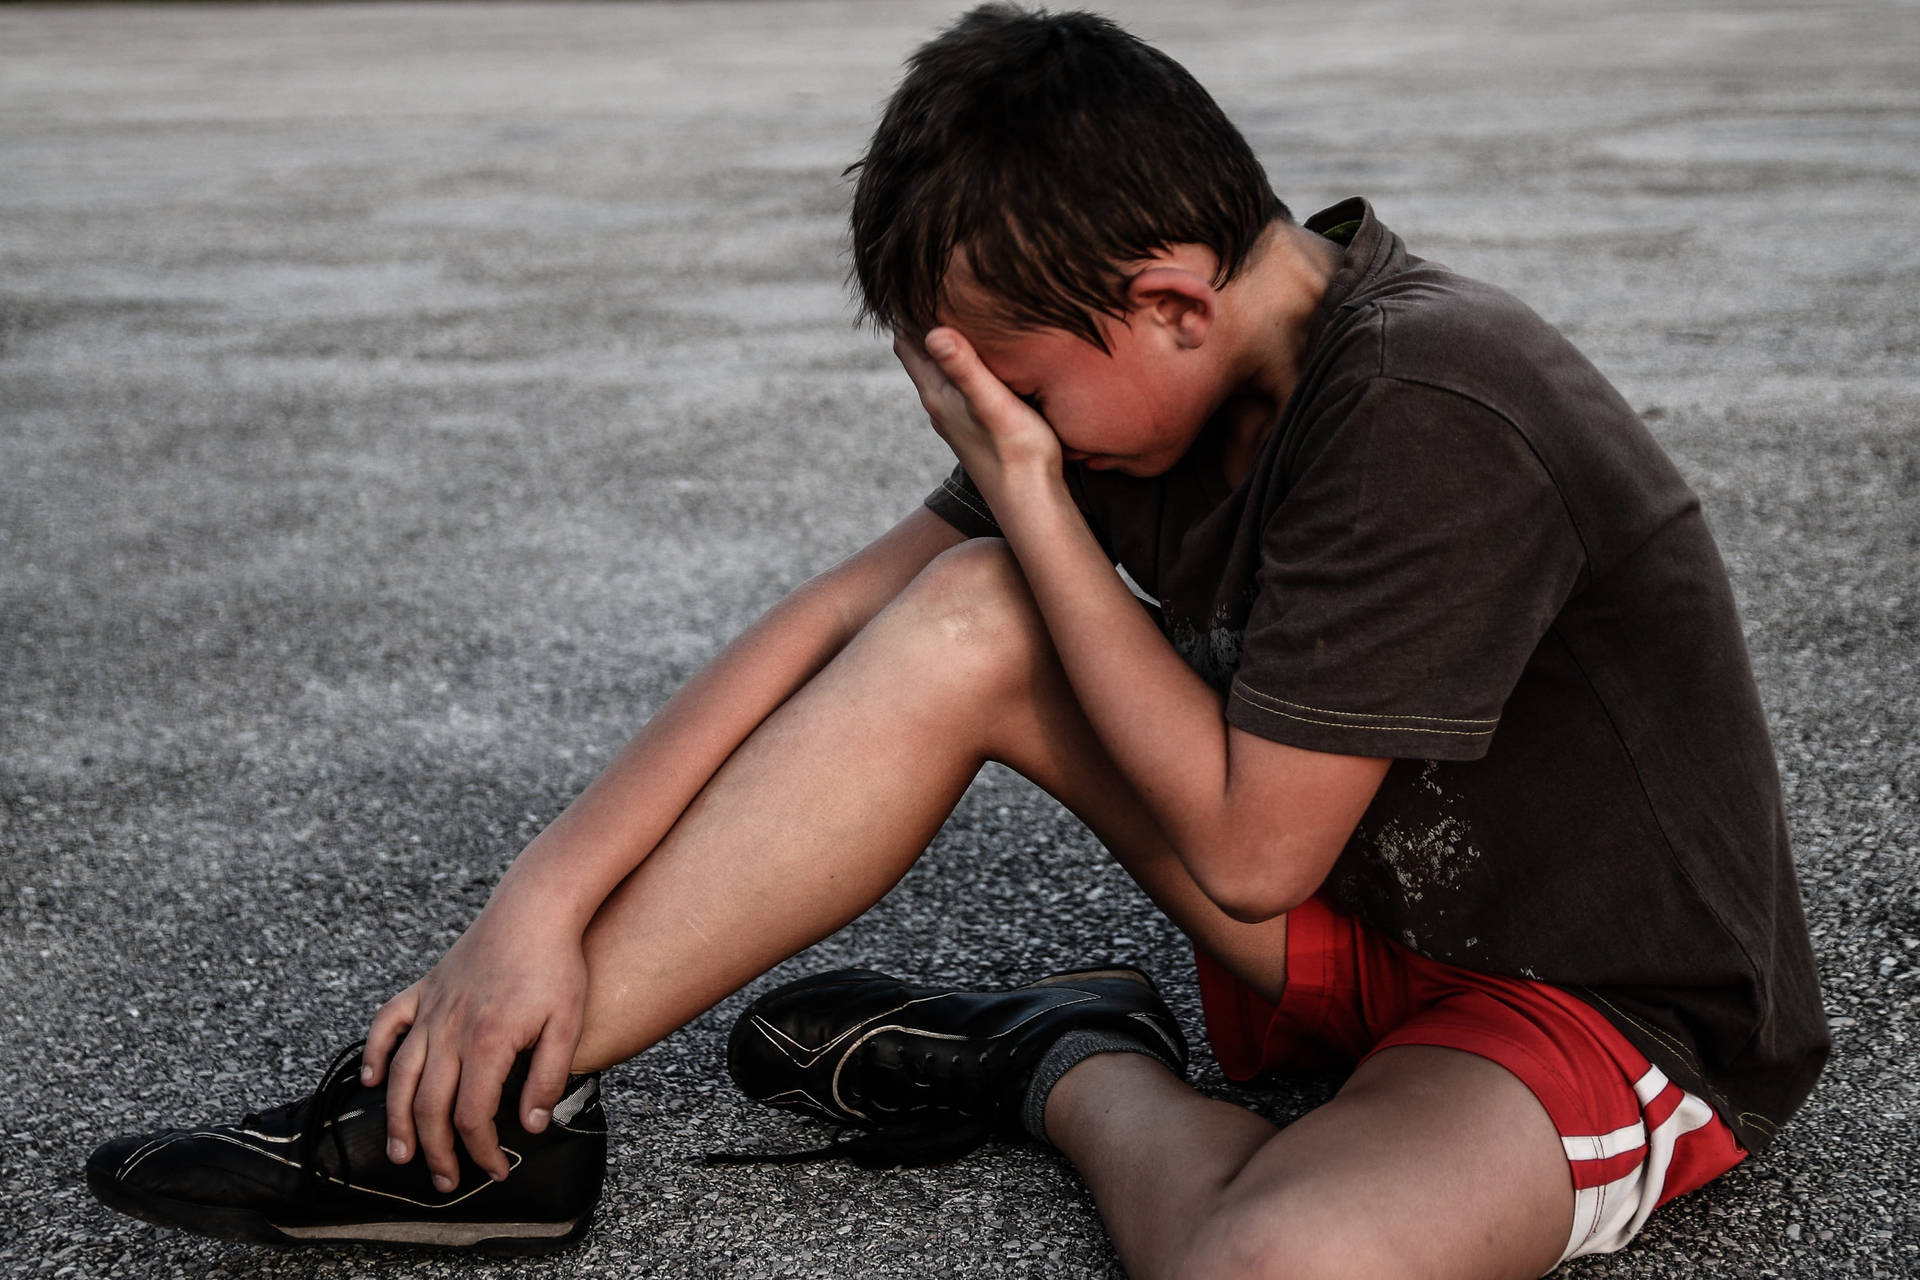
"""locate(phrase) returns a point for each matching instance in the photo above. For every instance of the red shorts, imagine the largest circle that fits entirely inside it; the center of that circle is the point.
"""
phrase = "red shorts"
(1634, 1139)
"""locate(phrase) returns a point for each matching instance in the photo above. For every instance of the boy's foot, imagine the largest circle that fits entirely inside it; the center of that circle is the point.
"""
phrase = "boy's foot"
(929, 1073)
(315, 1171)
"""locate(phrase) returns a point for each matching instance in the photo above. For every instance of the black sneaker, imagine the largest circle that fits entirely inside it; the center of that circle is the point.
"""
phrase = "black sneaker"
(926, 1074)
(316, 1171)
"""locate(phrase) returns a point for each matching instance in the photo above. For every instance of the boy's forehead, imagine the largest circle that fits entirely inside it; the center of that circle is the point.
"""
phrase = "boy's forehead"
(970, 306)
(1010, 349)
(1014, 348)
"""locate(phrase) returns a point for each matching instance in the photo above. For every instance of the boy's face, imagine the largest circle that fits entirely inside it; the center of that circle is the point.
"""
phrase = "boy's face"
(1136, 410)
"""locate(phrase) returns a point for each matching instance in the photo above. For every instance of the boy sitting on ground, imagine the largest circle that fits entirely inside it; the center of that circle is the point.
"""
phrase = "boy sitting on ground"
(1437, 736)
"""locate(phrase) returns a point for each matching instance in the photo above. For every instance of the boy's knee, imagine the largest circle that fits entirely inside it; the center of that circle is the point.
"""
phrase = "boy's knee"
(972, 605)
(1287, 1238)
(979, 570)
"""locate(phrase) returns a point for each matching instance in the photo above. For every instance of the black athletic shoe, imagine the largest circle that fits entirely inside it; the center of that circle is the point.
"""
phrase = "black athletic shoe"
(926, 1074)
(316, 1171)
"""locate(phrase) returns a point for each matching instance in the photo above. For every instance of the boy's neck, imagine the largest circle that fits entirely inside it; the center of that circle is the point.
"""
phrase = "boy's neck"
(1269, 308)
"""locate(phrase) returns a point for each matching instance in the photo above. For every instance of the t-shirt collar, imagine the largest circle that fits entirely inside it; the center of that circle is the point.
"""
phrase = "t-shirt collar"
(1370, 247)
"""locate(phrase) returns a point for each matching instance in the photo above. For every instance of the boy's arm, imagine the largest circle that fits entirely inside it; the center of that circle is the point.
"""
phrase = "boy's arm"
(1258, 824)
(516, 979)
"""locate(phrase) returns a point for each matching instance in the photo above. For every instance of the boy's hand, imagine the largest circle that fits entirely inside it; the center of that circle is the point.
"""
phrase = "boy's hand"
(505, 986)
(994, 433)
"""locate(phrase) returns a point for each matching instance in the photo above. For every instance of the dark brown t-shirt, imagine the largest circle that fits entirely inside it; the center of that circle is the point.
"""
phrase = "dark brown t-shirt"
(1460, 548)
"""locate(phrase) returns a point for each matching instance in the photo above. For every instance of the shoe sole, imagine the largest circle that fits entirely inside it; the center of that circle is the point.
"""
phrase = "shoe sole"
(245, 1226)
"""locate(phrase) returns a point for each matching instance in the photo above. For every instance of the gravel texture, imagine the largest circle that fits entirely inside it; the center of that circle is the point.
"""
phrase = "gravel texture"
(399, 402)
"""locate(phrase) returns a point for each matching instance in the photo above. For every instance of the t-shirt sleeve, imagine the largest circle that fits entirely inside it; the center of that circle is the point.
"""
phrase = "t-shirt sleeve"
(960, 504)
(1404, 581)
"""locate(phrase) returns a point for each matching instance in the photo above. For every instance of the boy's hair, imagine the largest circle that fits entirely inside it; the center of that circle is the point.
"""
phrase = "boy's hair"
(1052, 148)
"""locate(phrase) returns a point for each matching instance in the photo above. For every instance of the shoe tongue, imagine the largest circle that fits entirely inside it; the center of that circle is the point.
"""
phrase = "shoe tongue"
(285, 1118)
(358, 1124)
(905, 1072)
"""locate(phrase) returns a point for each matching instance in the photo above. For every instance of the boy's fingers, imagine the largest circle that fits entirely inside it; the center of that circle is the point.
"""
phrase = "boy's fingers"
(944, 343)
(960, 365)
(433, 1117)
(926, 375)
(403, 1077)
(955, 358)
(546, 1077)
(389, 1024)
(910, 354)
(955, 385)
(476, 1105)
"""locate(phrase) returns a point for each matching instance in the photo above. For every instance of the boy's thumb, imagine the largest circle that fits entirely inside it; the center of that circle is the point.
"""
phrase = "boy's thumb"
(942, 345)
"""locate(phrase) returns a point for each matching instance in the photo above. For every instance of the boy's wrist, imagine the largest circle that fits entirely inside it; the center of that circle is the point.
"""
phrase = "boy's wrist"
(530, 900)
(1036, 485)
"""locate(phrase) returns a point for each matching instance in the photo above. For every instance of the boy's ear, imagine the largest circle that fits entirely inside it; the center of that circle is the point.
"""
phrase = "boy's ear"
(1179, 301)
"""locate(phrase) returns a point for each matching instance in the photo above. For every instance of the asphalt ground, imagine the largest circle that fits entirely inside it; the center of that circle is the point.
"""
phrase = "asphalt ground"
(397, 403)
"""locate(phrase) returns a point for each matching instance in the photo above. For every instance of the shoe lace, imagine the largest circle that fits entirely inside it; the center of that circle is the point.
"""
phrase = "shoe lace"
(942, 1066)
(314, 1114)
(911, 1133)
(921, 1138)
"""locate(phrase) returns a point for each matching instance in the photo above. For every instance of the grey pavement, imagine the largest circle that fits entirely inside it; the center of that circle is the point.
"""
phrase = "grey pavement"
(397, 403)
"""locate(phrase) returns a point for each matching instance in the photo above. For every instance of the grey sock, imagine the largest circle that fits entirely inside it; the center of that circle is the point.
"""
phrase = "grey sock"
(1069, 1051)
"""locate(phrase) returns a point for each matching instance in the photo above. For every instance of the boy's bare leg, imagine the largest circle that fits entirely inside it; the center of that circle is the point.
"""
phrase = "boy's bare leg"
(828, 803)
(1430, 1162)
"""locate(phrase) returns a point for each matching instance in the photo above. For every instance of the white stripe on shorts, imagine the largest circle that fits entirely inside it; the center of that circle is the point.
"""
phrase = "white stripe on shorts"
(1607, 1217)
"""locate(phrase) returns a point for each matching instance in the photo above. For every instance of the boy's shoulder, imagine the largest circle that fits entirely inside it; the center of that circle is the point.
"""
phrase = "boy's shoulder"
(1451, 371)
(1390, 314)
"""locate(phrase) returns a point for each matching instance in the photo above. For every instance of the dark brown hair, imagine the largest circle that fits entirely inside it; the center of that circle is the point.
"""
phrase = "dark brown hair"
(1052, 147)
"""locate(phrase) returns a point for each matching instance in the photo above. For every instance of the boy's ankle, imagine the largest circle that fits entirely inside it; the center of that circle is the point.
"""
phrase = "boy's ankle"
(1066, 1056)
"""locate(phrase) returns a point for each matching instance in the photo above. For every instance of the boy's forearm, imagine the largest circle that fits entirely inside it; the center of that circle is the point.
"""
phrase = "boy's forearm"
(570, 868)
(1228, 819)
(1160, 722)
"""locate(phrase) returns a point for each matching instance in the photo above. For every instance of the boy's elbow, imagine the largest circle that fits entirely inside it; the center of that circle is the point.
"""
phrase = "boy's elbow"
(1256, 908)
(1271, 846)
(1256, 888)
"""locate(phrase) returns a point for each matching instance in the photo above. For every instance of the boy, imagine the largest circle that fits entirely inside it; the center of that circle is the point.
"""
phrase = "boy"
(1437, 738)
